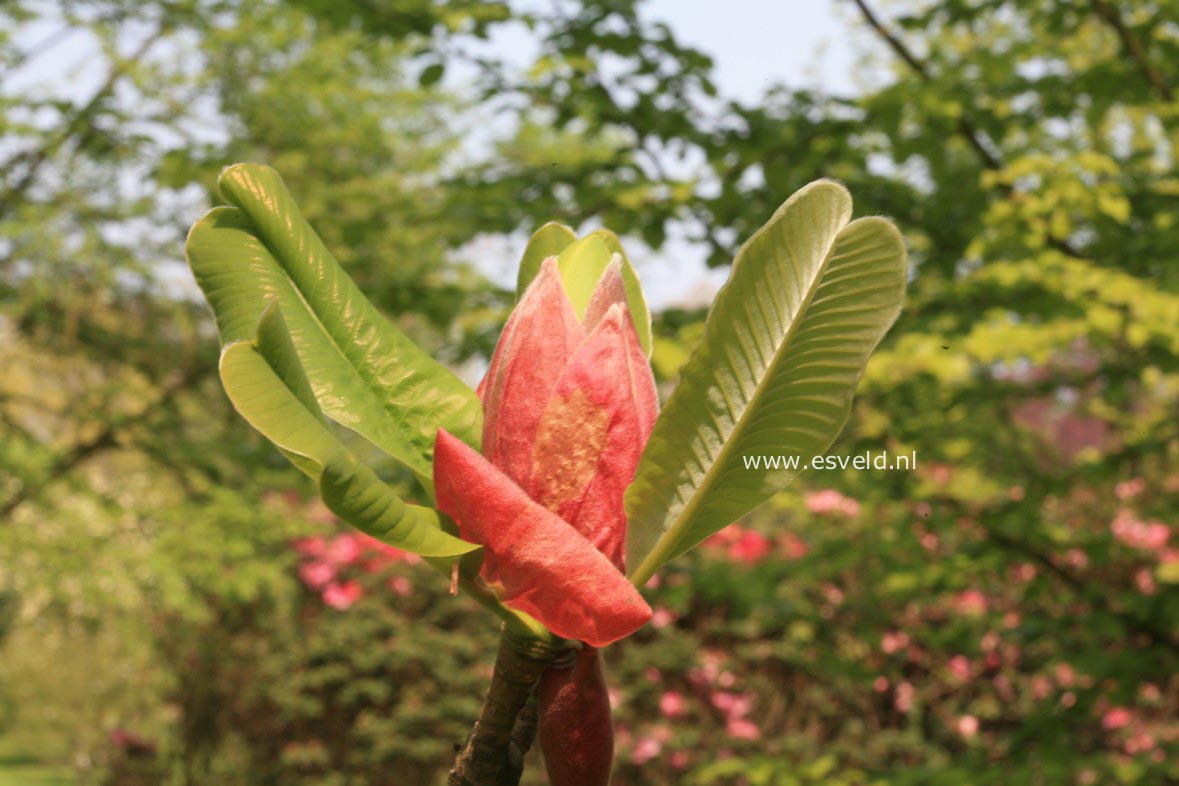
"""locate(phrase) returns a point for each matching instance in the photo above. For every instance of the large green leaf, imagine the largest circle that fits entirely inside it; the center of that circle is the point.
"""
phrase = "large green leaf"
(809, 298)
(365, 373)
(582, 263)
(266, 384)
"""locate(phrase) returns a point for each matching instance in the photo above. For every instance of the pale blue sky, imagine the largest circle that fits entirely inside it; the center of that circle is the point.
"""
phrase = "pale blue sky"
(758, 42)
(754, 44)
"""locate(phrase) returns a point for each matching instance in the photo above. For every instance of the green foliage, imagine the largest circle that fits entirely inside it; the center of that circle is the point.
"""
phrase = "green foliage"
(582, 263)
(1030, 166)
(809, 298)
(365, 373)
(266, 384)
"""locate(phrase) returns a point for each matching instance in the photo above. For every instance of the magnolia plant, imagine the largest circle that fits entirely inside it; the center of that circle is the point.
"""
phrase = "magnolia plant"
(557, 489)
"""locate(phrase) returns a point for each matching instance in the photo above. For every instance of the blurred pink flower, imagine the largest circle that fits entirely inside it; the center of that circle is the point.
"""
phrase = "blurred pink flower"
(960, 667)
(1144, 580)
(880, 684)
(1116, 718)
(662, 617)
(382, 554)
(679, 760)
(732, 705)
(831, 501)
(314, 546)
(342, 595)
(971, 602)
(794, 546)
(1137, 534)
(891, 643)
(1024, 571)
(401, 586)
(1128, 489)
(743, 729)
(939, 473)
(905, 693)
(968, 726)
(345, 549)
(1139, 743)
(672, 704)
(317, 574)
(751, 547)
(646, 749)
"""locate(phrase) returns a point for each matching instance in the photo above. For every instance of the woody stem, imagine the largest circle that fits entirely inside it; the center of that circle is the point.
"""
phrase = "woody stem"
(493, 754)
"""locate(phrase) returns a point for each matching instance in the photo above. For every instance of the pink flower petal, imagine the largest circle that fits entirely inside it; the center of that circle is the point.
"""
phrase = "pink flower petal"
(610, 290)
(541, 336)
(341, 596)
(540, 564)
(593, 431)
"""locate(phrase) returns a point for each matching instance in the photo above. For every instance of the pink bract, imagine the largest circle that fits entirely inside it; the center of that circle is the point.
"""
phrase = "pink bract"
(568, 407)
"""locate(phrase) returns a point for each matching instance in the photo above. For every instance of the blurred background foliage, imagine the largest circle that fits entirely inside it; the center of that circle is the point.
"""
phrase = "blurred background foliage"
(175, 609)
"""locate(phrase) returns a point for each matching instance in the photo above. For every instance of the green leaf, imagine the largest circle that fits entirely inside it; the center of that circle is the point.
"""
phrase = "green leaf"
(266, 384)
(365, 373)
(809, 298)
(548, 241)
(431, 75)
(582, 263)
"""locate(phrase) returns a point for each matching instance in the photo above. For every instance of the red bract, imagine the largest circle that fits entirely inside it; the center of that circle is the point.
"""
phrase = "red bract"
(576, 732)
(568, 406)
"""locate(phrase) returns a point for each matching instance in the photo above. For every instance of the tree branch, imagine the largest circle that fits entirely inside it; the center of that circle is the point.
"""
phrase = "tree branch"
(1134, 623)
(494, 752)
(107, 437)
(967, 129)
(989, 160)
(1134, 49)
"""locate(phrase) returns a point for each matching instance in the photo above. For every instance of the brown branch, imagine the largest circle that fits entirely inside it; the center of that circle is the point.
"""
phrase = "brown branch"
(1134, 49)
(990, 160)
(493, 754)
(967, 129)
(1156, 633)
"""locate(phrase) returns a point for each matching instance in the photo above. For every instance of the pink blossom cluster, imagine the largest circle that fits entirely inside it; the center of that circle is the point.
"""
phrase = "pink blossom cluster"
(831, 501)
(327, 562)
(749, 547)
(1134, 731)
(1138, 534)
(650, 743)
(716, 682)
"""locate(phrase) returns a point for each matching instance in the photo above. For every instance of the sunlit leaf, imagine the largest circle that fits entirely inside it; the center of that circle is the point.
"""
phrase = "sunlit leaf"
(809, 298)
(365, 373)
(266, 384)
(582, 263)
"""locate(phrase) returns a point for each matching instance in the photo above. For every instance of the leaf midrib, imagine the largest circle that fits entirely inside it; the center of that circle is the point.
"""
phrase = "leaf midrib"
(657, 555)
